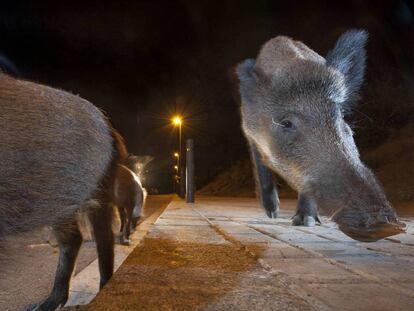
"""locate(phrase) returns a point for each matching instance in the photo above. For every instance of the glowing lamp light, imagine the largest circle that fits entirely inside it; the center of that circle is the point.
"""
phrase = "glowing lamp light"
(176, 167)
(176, 154)
(177, 120)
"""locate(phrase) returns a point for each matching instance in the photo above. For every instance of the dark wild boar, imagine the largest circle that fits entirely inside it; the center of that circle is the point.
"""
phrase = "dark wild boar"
(57, 154)
(129, 195)
(293, 107)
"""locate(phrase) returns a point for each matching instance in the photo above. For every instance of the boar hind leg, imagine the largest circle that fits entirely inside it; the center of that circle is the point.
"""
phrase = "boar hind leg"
(136, 212)
(265, 184)
(122, 216)
(101, 219)
(306, 212)
(127, 227)
(70, 240)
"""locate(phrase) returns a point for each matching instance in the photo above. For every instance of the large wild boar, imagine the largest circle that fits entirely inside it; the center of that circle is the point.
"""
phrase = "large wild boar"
(57, 153)
(293, 107)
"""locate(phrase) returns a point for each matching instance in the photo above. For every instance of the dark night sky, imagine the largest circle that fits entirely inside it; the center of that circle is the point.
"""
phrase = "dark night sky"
(141, 61)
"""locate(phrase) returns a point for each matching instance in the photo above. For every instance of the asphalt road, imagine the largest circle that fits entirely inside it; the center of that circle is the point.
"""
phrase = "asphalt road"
(29, 275)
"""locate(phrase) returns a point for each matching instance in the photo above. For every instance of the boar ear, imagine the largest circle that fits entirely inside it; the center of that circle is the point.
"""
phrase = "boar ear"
(148, 159)
(246, 75)
(348, 57)
(143, 160)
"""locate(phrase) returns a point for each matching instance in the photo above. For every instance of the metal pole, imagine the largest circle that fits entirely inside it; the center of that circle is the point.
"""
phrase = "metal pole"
(190, 171)
(179, 146)
(178, 179)
(177, 175)
(182, 182)
(181, 171)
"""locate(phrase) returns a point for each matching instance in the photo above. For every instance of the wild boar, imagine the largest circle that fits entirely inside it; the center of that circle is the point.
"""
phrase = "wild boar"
(293, 103)
(57, 154)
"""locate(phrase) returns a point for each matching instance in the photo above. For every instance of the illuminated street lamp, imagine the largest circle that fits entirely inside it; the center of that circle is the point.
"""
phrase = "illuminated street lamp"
(177, 121)
(176, 167)
(177, 156)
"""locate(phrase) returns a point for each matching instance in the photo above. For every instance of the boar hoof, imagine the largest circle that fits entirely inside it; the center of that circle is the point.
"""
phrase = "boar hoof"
(309, 221)
(123, 241)
(271, 214)
(299, 220)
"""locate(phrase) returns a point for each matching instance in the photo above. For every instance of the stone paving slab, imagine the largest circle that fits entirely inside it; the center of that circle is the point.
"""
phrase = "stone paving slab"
(357, 296)
(85, 285)
(225, 254)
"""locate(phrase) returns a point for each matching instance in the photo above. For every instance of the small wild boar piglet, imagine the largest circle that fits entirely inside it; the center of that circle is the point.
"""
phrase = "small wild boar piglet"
(57, 153)
(293, 103)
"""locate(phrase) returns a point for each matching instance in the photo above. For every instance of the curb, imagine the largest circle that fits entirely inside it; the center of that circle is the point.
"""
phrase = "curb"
(85, 285)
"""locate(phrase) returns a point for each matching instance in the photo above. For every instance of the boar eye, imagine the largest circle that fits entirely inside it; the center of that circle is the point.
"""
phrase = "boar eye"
(287, 124)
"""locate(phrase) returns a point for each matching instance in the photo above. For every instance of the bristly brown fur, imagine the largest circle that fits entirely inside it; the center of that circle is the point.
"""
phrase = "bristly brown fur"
(293, 103)
(57, 152)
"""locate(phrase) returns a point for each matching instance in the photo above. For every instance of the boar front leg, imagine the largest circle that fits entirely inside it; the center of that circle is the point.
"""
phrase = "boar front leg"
(265, 185)
(70, 240)
(306, 212)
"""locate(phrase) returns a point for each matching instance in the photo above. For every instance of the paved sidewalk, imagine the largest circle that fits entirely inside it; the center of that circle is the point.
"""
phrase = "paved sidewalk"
(225, 254)
(85, 285)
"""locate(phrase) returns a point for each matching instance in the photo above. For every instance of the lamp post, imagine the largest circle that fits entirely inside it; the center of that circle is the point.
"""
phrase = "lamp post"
(177, 156)
(176, 173)
(177, 121)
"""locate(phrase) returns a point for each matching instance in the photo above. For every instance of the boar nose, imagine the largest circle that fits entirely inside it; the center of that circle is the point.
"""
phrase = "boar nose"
(379, 230)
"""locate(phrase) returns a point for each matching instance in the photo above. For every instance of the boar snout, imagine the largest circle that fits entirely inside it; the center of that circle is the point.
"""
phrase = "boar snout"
(369, 226)
(355, 200)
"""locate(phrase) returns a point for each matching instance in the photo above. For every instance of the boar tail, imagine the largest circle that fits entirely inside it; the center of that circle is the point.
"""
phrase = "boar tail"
(119, 155)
